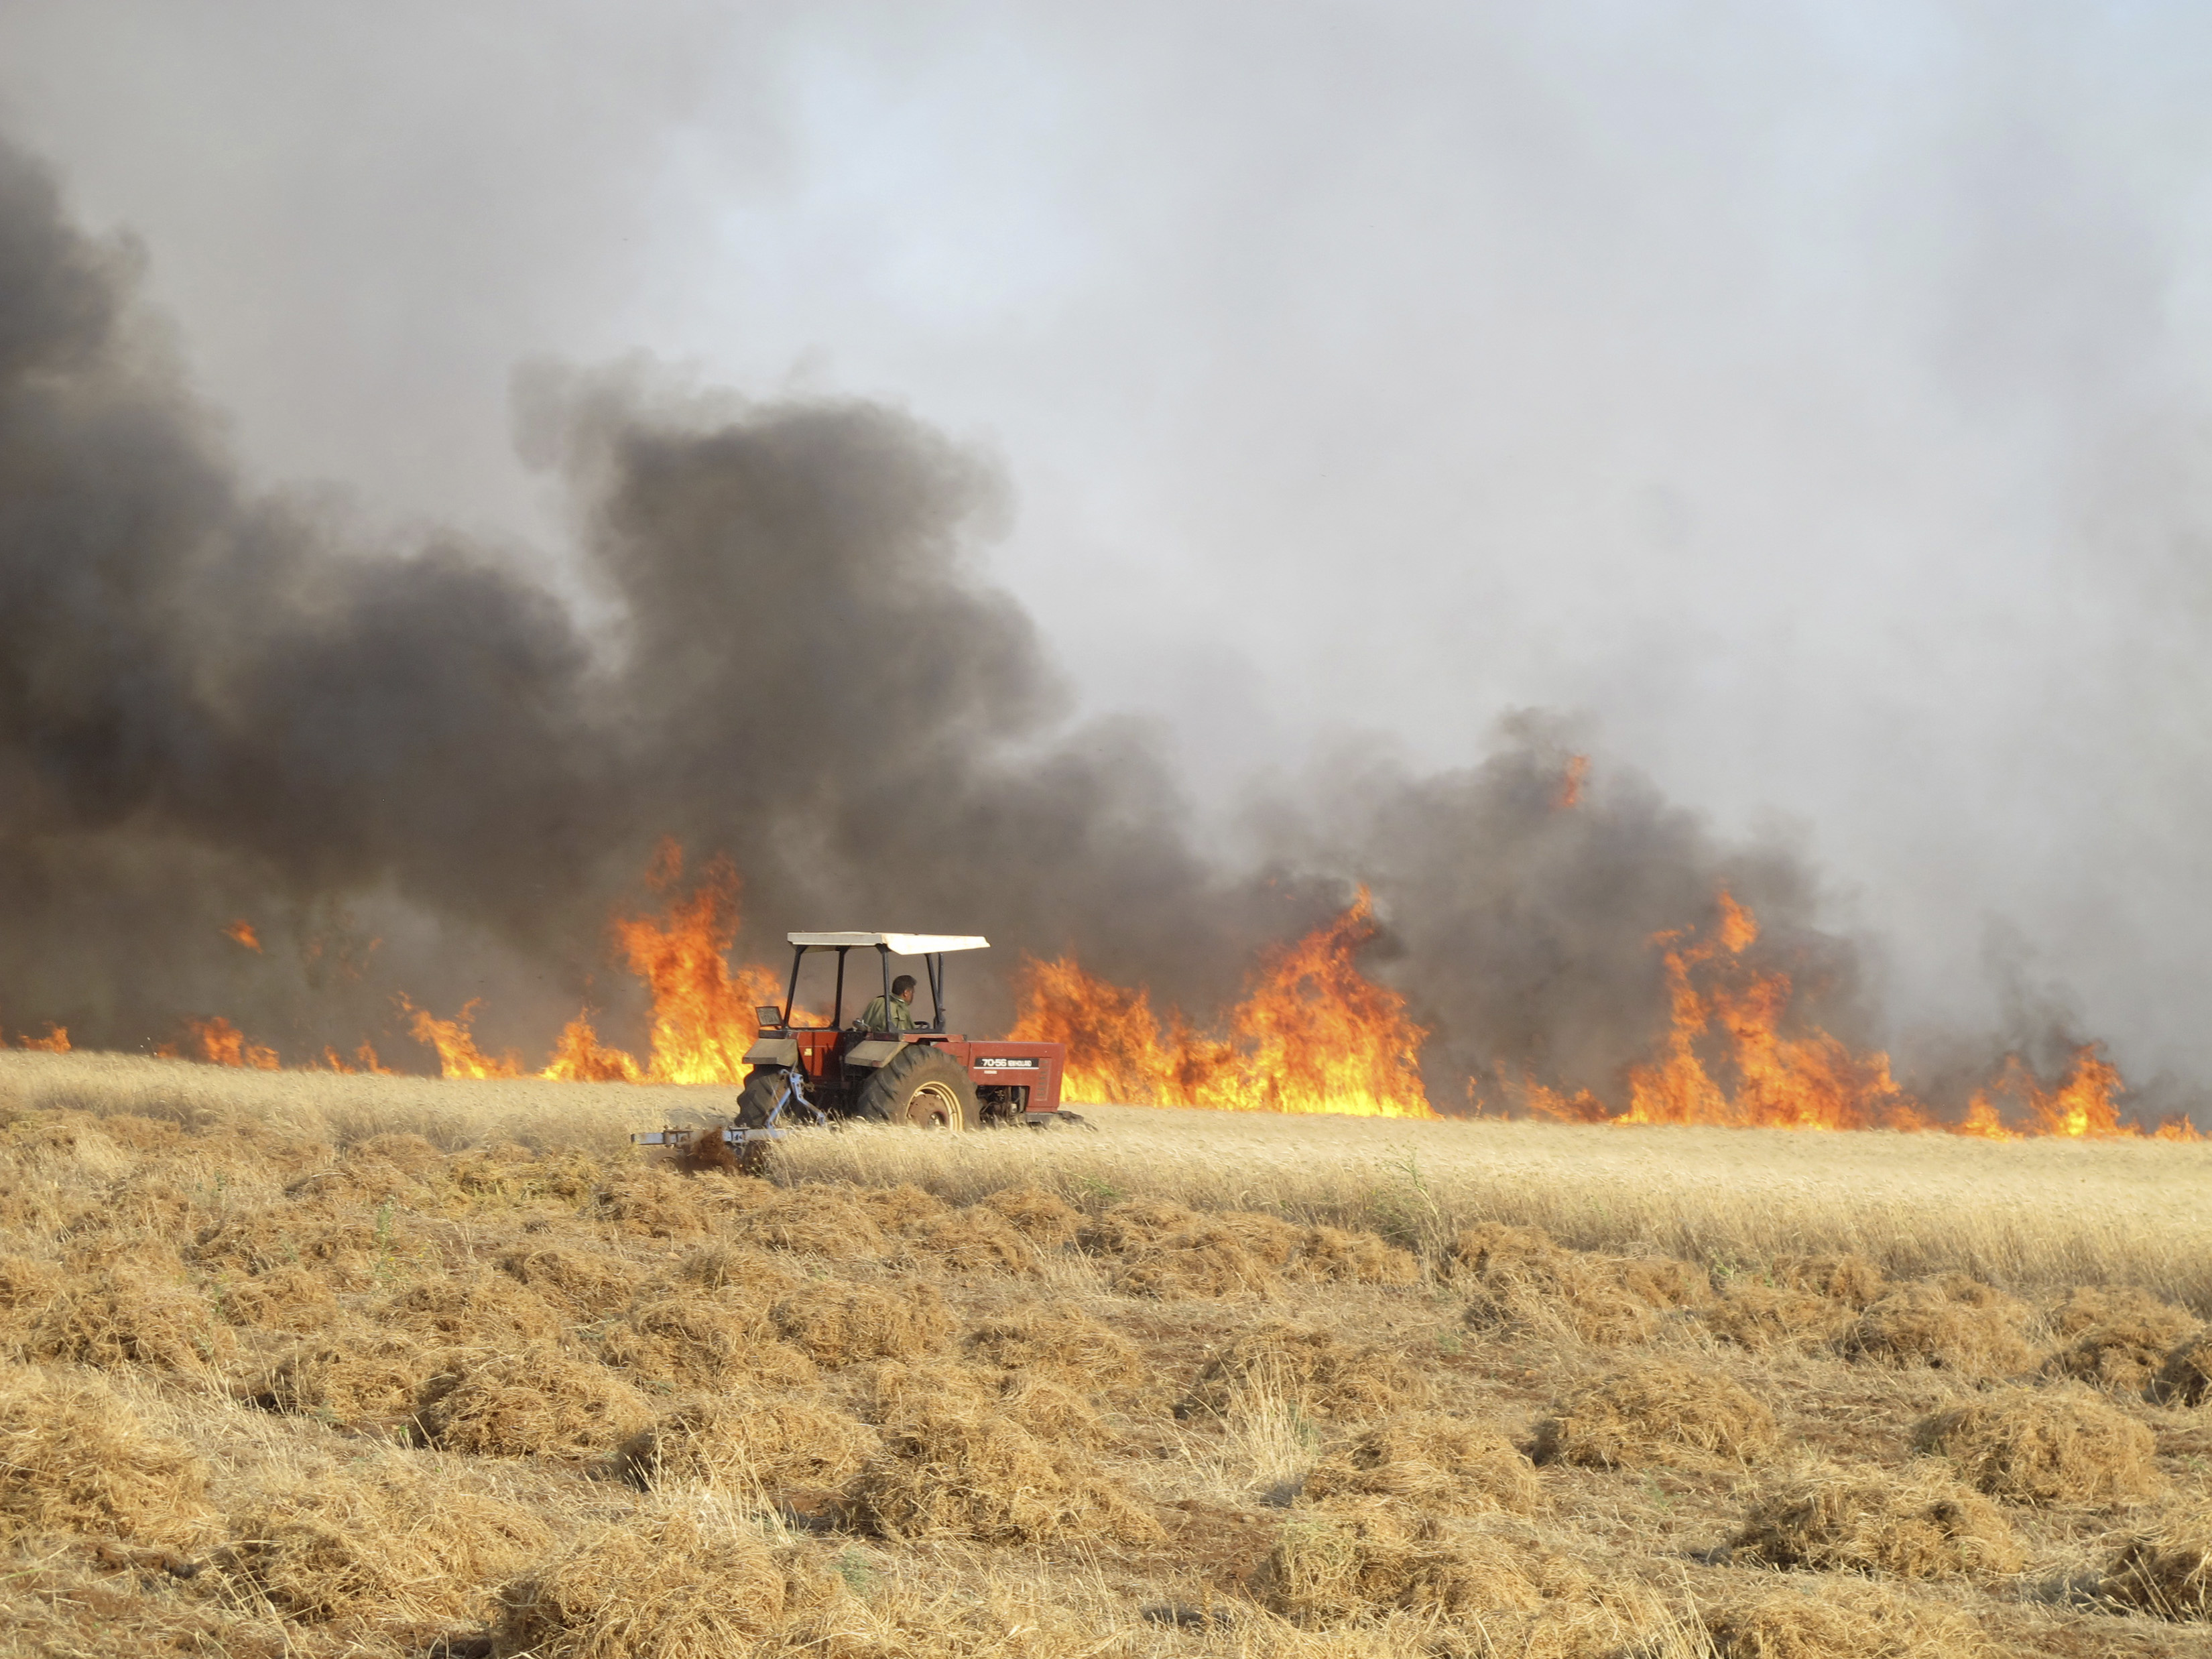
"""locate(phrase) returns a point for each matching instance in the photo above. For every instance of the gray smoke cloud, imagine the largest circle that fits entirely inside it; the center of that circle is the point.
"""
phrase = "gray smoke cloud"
(420, 766)
(214, 705)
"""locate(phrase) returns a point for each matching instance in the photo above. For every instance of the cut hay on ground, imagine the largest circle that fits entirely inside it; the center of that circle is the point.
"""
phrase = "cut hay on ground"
(2117, 1339)
(1442, 1465)
(689, 1582)
(1651, 1411)
(352, 1376)
(583, 1284)
(1043, 1218)
(1331, 1569)
(958, 1463)
(2184, 1377)
(539, 1402)
(1333, 1256)
(127, 1321)
(748, 1439)
(1839, 1620)
(384, 1544)
(2048, 1445)
(1206, 1260)
(1314, 1369)
(976, 1240)
(75, 1458)
(1915, 1522)
(837, 1322)
(1059, 1342)
(478, 1310)
(703, 1339)
(1768, 1316)
(1950, 1321)
(289, 1299)
(1850, 1279)
(814, 1220)
(2165, 1568)
(1518, 1282)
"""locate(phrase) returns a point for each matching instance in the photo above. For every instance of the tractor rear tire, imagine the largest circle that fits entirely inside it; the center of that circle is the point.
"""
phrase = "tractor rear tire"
(921, 1085)
(763, 1086)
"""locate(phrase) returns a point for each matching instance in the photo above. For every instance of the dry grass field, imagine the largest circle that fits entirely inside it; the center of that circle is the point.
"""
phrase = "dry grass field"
(305, 1365)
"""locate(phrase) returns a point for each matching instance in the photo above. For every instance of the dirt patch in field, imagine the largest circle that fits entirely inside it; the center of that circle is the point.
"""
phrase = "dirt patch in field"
(1323, 1375)
(1442, 1465)
(2048, 1445)
(1916, 1522)
(74, 1457)
(1949, 1322)
(1653, 1411)
(541, 1401)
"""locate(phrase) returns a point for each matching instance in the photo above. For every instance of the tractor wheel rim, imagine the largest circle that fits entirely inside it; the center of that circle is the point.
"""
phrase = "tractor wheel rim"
(934, 1106)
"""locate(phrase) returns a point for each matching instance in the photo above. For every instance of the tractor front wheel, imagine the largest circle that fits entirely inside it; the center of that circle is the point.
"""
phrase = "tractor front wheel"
(922, 1086)
(763, 1087)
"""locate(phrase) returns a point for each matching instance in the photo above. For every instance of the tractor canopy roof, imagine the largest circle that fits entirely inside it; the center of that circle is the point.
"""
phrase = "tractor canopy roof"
(906, 945)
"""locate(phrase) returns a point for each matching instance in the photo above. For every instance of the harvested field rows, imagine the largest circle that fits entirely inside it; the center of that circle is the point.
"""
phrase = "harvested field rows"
(324, 1366)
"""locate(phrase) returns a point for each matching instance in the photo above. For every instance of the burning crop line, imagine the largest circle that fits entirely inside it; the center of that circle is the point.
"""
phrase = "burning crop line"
(1727, 1019)
(1313, 1034)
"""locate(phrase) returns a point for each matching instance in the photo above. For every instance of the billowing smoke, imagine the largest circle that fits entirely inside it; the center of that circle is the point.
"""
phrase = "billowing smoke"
(413, 769)
(213, 707)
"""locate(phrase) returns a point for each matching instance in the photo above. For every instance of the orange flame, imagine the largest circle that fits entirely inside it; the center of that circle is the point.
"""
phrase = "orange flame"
(221, 1043)
(364, 1058)
(1312, 1035)
(242, 930)
(458, 1054)
(1726, 1061)
(703, 1010)
(56, 1041)
(1569, 794)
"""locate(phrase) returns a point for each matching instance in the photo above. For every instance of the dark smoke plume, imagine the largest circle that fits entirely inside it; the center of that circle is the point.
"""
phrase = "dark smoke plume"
(412, 770)
(212, 707)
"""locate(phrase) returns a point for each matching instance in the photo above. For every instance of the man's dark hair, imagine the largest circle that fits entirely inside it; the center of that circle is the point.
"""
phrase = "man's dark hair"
(903, 983)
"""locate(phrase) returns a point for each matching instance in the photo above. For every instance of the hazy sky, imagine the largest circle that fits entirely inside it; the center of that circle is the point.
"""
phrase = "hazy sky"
(1813, 396)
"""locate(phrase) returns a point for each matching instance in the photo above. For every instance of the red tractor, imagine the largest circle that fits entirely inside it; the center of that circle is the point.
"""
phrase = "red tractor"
(806, 1069)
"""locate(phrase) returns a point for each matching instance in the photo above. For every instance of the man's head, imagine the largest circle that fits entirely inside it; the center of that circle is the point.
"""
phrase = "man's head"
(902, 988)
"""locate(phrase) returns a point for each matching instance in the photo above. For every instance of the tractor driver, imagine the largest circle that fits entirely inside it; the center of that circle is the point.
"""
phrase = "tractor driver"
(895, 1013)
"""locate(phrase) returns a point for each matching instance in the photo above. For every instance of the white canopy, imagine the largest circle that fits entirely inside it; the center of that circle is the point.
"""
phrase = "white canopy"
(906, 945)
